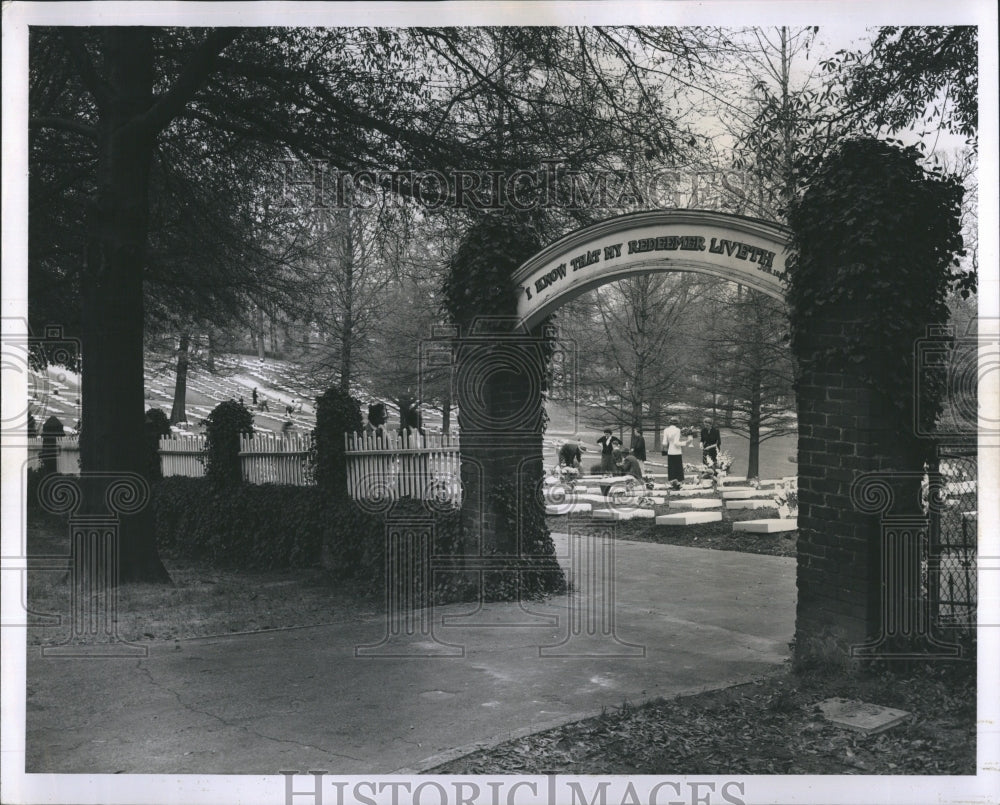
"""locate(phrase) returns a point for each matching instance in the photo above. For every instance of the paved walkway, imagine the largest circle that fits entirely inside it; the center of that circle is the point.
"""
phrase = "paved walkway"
(683, 620)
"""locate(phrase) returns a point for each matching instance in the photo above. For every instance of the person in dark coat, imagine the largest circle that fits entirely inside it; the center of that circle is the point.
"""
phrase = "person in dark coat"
(570, 456)
(608, 443)
(711, 442)
(638, 447)
(630, 465)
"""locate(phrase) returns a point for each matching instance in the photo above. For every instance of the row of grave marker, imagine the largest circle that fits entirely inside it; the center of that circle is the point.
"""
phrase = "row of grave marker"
(582, 502)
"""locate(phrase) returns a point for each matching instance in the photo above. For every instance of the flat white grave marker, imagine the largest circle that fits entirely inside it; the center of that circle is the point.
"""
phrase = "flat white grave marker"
(699, 503)
(689, 518)
(745, 493)
(751, 503)
(568, 508)
(773, 525)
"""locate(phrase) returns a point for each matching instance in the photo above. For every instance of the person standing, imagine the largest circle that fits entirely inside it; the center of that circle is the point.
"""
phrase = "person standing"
(254, 397)
(711, 442)
(638, 448)
(674, 451)
(608, 443)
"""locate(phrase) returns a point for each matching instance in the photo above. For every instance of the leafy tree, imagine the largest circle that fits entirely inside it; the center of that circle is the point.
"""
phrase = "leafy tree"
(748, 349)
(108, 103)
(914, 76)
(122, 89)
(637, 347)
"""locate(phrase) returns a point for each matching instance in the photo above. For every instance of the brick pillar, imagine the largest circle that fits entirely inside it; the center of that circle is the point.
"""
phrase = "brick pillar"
(846, 431)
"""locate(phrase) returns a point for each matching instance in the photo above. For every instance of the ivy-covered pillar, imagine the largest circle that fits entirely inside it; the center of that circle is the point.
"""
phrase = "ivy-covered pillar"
(499, 381)
(877, 237)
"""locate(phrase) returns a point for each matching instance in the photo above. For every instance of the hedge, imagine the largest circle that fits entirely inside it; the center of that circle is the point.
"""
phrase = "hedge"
(275, 526)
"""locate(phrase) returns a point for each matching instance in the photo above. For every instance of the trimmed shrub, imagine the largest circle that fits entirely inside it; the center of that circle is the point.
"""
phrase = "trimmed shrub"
(269, 526)
(258, 526)
(157, 425)
(222, 450)
(337, 413)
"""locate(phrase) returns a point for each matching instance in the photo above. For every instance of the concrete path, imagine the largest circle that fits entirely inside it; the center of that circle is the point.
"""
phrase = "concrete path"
(682, 620)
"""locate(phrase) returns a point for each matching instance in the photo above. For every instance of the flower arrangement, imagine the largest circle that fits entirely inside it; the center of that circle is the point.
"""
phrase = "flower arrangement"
(786, 498)
(724, 461)
(567, 474)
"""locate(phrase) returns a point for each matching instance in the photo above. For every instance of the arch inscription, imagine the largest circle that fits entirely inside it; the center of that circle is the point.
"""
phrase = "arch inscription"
(749, 251)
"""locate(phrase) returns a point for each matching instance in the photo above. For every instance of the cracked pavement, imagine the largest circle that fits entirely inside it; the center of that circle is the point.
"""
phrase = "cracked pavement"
(685, 619)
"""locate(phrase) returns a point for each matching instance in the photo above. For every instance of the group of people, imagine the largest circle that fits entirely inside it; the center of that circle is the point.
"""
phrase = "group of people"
(673, 448)
(260, 401)
(615, 458)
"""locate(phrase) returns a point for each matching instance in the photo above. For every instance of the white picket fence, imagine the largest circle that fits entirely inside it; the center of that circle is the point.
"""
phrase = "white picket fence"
(275, 459)
(395, 465)
(181, 455)
(390, 466)
(67, 454)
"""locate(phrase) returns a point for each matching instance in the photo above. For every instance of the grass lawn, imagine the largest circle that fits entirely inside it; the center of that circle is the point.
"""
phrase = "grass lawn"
(202, 601)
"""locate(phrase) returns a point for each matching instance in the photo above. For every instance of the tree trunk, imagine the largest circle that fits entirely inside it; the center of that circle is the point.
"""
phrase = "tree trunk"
(259, 334)
(657, 422)
(347, 331)
(446, 410)
(113, 439)
(210, 353)
(753, 428)
(177, 412)
(275, 348)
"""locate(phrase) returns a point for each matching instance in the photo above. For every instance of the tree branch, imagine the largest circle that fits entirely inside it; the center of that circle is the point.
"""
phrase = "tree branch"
(63, 124)
(85, 67)
(190, 80)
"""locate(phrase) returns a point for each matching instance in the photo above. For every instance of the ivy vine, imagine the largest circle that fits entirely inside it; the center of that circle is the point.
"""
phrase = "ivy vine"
(480, 283)
(337, 413)
(877, 238)
(223, 427)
